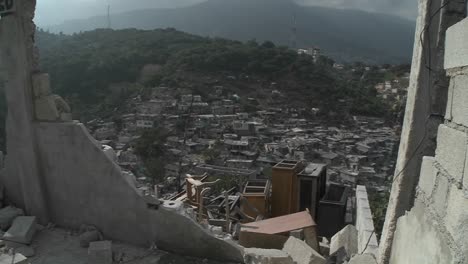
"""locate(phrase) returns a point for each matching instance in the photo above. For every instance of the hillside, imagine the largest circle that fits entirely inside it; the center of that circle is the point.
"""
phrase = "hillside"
(85, 68)
(345, 35)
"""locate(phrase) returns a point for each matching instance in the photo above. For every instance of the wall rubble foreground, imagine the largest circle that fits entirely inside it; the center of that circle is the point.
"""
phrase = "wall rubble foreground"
(436, 229)
(56, 171)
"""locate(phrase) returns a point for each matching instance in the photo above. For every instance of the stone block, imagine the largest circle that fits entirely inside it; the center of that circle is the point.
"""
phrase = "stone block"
(100, 252)
(439, 199)
(13, 259)
(451, 151)
(266, 256)
(427, 176)
(41, 84)
(457, 100)
(363, 259)
(346, 238)
(456, 50)
(456, 218)
(22, 230)
(301, 253)
(7, 215)
(89, 236)
(46, 109)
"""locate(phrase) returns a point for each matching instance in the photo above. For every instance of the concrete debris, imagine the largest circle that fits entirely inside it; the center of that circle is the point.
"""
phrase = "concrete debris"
(299, 234)
(339, 257)
(22, 230)
(324, 249)
(13, 259)
(40, 227)
(363, 259)
(26, 251)
(216, 230)
(347, 238)
(85, 228)
(89, 236)
(7, 215)
(302, 253)
(266, 256)
(100, 252)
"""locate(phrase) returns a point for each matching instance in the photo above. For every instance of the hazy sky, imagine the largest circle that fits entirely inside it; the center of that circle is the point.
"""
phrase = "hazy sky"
(51, 12)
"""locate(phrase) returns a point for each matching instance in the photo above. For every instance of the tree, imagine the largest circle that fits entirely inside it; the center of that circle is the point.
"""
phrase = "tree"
(151, 147)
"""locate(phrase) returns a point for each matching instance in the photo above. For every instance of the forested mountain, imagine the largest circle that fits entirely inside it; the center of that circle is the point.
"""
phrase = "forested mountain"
(347, 35)
(85, 68)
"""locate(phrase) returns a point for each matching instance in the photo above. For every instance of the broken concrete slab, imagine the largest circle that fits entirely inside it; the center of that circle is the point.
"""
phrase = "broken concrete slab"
(7, 215)
(26, 251)
(22, 230)
(13, 259)
(266, 256)
(324, 249)
(302, 253)
(346, 238)
(363, 259)
(340, 256)
(100, 252)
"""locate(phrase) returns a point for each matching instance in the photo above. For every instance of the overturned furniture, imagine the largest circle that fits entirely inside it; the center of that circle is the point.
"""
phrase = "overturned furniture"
(332, 210)
(273, 232)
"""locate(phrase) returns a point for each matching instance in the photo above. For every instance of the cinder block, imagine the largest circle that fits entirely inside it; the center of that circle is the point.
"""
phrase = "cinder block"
(427, 176)
(440, 195)
(451, 151)
(301, 253)
(456, 218)
(456, 50)
(22, 230)
(266, 256)
(457, 100)
(100, 252)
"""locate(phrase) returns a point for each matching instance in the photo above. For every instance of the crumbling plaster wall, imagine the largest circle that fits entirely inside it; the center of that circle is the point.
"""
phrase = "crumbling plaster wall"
(84, 186)
(57, 171)
(436, 229)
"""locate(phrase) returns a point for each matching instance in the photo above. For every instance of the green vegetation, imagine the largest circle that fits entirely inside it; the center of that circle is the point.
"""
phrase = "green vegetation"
(151, 148)
(378, 202)
(85, 66)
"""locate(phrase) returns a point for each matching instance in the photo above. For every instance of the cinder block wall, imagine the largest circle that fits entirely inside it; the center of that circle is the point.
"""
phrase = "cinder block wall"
(436, 229)
(367, 239)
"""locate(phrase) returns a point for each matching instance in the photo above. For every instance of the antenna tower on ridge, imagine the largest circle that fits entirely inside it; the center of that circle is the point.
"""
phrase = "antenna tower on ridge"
(294, 32)
(108, 17)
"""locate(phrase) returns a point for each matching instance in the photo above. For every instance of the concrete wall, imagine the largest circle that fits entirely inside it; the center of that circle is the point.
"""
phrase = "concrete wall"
(367, 239)
(57, 171)
(436, 229)
(17, 59)
(427, 98)
(84, 186)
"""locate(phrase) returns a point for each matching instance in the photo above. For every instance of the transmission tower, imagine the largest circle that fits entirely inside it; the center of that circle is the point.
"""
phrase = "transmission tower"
(108, 17)
(294, 32)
